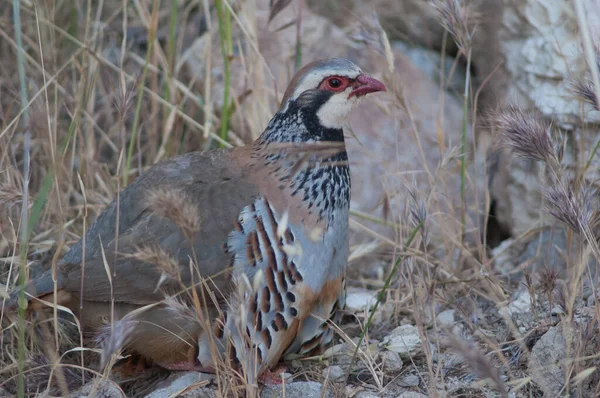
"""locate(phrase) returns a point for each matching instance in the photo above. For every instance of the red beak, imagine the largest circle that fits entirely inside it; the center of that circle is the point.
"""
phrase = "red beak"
(365, 84)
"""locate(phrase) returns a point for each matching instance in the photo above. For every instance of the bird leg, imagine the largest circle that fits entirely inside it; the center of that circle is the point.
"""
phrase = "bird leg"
(273, 376)
(133, 366)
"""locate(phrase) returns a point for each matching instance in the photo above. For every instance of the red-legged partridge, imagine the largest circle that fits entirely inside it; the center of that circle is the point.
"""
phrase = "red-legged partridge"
(272, 233)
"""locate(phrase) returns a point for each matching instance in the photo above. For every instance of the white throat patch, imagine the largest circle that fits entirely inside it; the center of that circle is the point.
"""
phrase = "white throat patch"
(334, 112)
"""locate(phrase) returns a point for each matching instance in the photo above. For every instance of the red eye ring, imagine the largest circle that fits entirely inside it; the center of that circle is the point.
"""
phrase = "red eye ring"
(334, 83)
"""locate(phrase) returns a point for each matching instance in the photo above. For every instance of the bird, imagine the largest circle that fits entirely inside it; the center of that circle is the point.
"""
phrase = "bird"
(258, 232)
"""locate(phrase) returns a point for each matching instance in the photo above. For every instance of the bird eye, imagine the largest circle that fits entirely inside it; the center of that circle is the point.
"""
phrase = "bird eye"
(335, 82)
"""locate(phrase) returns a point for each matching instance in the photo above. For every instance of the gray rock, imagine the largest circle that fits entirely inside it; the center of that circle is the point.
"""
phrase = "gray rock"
(409, 381)
(412, 394)
(541, 72)
(404, 340)
(520, 305)
(391, 361)
(446, 317)
(357, 300)
(334, 373)
(366, 394)
(429, 61)
(539, 68)
(191, 382)
(99, 389)
(547, 361)
(297, 389)
(544, 248)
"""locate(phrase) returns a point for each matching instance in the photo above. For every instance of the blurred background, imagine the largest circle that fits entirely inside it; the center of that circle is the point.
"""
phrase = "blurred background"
(473, 177)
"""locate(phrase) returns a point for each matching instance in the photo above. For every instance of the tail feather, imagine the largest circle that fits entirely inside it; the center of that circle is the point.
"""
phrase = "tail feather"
(38, 287)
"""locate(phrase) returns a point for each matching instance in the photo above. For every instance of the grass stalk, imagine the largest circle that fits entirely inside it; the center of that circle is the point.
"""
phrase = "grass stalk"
(140, 94)
(224, 17)
(463, 149)
(25, 231)
(298, 57)
(588, 49)
(381, 294)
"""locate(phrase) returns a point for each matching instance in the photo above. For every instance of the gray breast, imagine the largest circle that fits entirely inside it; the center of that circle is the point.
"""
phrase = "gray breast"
(273, 261)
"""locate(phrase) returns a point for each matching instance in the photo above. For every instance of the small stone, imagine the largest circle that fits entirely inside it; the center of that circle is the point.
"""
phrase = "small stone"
(404, 340)
(391, 361)
(100, 389)
(334, 373)
(337, 350)
(556, 310)
(179, 381)
(297, 389)
(409, 381)
(446, 317)
(521, 305)
(411, 394)
(366, 394)
(359, 300)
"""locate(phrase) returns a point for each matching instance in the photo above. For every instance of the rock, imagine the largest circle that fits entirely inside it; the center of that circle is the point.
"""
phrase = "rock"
(430, 62)
(446, 317)
(366, 394)
(357, 300)
(409, 381)
(338, 350)
(520, 305)
(404, 340)
(541, 249)
(388, 141)
(334, 373)
(541, 45)
(391, 361)
(99, 389)
(297, 389)
(412, 113)
(417, 22)
(553, 353)
(411, 394)
(547, 361)
(189, 382)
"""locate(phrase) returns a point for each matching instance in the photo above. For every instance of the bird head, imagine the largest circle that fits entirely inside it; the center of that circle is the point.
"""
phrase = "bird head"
(332, 87)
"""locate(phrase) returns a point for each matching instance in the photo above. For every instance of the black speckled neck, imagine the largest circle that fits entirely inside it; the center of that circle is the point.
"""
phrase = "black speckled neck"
(323, 182)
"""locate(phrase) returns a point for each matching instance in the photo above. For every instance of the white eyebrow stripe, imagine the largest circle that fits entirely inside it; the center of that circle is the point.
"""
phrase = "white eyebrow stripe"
(313, 79)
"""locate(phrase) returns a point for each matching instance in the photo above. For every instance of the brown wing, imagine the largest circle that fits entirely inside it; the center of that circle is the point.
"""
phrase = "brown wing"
(211, 181)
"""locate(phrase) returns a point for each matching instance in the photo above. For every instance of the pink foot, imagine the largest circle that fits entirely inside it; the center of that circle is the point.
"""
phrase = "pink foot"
(272, 376)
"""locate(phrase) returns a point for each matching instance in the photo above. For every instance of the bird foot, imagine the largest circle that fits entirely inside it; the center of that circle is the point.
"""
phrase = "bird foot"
(133, 366)
(273, 377)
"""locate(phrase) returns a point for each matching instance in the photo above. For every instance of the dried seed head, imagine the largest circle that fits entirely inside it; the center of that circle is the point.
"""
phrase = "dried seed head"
(159, 257)
(369, 31)
(562, 205)
(527, 134)
(458, 19)
(418, 212)
(584, 88)
(548, 278)
(579, 210)
(174, 205)
(10, 196)
(477, 361)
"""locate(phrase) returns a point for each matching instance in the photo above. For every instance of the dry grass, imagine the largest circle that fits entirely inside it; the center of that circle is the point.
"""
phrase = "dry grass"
(109, 95)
